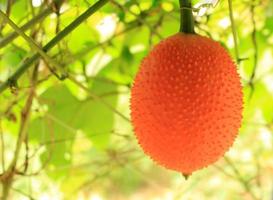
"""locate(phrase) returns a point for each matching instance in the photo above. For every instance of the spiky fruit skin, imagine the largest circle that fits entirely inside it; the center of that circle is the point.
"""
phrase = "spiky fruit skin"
(186, 102)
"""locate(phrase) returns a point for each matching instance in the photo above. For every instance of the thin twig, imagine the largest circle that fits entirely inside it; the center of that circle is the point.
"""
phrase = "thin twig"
(97, 98)
(28, 62)
(2, 147)
(234, 33)
(10, 37)
(129, 26)
(51, 147)
(8, 9)
(239, 177)
(25, 117)
(7, 177)
(139, 18)
(23, 193)
(155, 27)
(224, 172)
(255, 47)
(48, 60)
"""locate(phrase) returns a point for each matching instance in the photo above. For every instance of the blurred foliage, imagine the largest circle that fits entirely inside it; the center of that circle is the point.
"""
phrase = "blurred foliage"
(78, 146)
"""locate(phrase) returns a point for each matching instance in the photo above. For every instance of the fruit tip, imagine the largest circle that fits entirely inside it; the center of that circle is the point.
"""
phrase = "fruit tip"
(186, 176)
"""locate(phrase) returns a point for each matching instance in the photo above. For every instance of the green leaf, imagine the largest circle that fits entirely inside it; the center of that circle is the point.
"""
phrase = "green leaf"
(12, 56)
(97, 120)
(19, 9)
(56, 129)
(84, 35)
(261, 101)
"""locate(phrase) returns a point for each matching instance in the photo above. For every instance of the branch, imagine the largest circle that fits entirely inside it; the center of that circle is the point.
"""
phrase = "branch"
(8, 9)
(138, 17)
(255, 46)
(25, 27)
(2, 147)
(7, 177)
(233, 26)
(239, 177)
(28, 62)
(28, 39)
(23, 193)
(129, 26)
(97, 98)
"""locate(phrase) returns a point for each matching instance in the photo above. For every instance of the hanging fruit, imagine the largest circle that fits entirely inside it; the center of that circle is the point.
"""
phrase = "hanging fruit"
(186, 101)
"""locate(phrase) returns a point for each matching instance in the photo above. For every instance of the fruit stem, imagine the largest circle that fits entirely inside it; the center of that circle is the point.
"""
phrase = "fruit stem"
(186, 17)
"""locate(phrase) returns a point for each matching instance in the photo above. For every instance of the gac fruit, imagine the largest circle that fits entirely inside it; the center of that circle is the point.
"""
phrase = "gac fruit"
(186, 102)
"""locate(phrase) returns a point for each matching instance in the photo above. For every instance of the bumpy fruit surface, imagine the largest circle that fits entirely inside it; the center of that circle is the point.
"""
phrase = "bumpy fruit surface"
(186, 102)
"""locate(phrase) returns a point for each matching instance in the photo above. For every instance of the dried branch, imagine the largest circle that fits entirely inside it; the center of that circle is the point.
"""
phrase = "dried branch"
(7, 177)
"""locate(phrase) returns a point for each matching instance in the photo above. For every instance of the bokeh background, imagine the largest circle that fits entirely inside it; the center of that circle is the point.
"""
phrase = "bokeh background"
(79, 143)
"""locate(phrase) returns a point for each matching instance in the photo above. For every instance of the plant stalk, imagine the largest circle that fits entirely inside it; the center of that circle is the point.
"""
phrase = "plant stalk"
(186, 17)
(9, 38)
(28, 62)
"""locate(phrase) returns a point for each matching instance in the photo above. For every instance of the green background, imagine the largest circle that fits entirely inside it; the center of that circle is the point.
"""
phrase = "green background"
(78, 147)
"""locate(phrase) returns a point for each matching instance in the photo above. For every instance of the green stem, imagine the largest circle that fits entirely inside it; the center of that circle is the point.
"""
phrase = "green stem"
(48, 60)
(25, 27)
(234, 34)
(20, 32)
(186, 20)
(28, 62)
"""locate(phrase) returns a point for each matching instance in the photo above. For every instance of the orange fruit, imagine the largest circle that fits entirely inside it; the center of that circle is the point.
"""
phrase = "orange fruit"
(186, 102)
